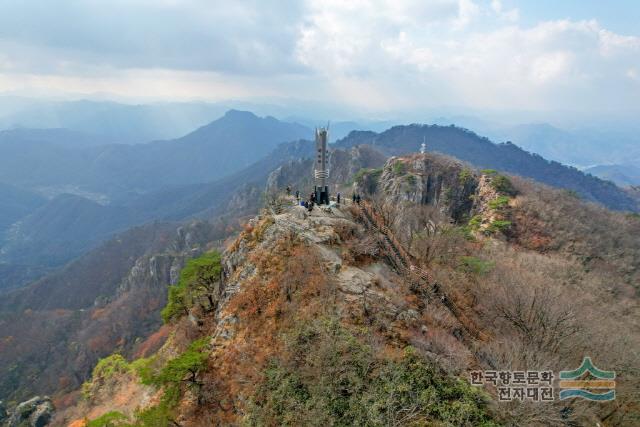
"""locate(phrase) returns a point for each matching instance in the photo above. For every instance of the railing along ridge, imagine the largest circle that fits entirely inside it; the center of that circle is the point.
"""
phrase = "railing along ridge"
(405, 266)
(405, 258)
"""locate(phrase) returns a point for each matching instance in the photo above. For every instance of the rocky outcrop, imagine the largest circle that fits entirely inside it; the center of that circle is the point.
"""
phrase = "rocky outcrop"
(469, 147)
(35, 412)
(487, 212)
(323, 230)
(431, 179)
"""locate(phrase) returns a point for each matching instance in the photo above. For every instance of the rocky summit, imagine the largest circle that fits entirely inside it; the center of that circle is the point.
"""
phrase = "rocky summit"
(35, 412)
(295, 286)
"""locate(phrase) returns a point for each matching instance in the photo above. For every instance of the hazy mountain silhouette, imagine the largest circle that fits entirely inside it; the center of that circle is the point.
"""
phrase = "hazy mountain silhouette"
(15, 203)
(54, 136)
(623, 175)
(210, 152)
(63, 227)
(116, 122)
(580, 147)
(69, 225)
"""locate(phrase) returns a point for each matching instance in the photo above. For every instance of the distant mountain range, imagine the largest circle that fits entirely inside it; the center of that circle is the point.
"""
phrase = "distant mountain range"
(624, 175)
(111, 121)
(481, 152)
(16, 203)
(93, 191)
(220, 148)
(60, 137)
(581, 147)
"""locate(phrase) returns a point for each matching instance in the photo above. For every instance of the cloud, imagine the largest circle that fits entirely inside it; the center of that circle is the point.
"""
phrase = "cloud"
(511, 15)
(374, 55)
(560, 64)
(154, 84)
(249, 37)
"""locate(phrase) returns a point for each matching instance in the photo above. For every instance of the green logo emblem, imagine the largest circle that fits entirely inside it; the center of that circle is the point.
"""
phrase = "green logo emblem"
(588, 382)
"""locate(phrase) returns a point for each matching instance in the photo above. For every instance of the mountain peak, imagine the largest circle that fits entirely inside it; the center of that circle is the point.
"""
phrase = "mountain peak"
(239, 115)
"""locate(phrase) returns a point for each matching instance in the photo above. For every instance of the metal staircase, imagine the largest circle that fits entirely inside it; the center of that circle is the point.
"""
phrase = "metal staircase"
(398, 256)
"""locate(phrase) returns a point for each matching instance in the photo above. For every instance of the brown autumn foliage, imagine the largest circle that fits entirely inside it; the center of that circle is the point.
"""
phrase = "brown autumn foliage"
(357, 247)
(284, 290)
(600, 239)
(565, 285)
(152, 343)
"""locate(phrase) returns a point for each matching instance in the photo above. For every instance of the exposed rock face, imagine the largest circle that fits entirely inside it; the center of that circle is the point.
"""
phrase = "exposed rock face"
(482, 205)
(460, 194)
(321, 230)
(132, 311)
(430, 179)
(35, 412)
(245, 199)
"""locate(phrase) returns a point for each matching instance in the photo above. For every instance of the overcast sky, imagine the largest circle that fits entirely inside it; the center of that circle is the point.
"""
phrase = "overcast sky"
(373, 56)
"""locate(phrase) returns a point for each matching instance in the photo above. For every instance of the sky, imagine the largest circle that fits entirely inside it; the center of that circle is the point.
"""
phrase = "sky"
(374, 57)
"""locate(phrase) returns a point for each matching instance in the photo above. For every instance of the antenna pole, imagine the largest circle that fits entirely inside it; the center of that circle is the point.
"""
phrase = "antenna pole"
(321, 172)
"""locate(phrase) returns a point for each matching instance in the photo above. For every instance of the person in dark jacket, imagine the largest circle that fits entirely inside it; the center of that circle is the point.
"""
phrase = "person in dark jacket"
(353, 197)
(358, 198)
(288, 190)
(297, 194)
(338, 198)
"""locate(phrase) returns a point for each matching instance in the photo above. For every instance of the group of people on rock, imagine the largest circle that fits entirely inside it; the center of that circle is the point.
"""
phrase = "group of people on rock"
(313, 198)
(311, 202)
